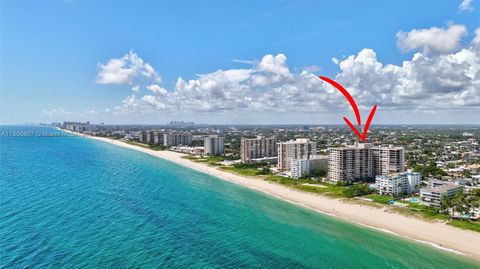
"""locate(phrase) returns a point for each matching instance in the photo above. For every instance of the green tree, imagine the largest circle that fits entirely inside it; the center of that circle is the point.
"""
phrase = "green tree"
(357, 190)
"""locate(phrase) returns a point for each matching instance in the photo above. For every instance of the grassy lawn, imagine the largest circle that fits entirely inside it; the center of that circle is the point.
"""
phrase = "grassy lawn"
(209, 160)
(379, 199)
(466, 224)
(325, 189)
(242, 171)
(147, 146)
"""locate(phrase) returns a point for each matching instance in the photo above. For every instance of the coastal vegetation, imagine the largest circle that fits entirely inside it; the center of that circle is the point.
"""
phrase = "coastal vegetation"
(147, 146)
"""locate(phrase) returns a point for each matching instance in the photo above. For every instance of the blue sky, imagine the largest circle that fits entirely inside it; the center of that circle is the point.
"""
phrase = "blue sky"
(211, 61)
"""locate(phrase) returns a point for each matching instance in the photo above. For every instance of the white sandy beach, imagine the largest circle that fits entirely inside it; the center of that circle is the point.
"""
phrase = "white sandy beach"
(435, 233)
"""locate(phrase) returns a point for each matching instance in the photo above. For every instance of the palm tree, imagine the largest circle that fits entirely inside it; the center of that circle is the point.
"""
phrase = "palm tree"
(445, 203)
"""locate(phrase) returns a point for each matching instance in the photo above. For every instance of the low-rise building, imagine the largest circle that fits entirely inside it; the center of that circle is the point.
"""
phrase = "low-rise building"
(398, 183)
(268, 160)
(432, 196)
(304, 167)
(188, 150)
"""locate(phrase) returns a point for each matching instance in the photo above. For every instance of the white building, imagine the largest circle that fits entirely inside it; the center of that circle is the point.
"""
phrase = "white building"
(301, 148)
(213, 145)
(305, 167)
(397, 184)
(432, 196)
(299, 168)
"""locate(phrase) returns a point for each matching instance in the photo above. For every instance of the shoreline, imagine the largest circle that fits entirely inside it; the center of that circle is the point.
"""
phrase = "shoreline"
(435, 234)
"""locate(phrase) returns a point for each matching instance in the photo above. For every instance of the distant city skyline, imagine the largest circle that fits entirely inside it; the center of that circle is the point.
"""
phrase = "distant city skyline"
(239, 63)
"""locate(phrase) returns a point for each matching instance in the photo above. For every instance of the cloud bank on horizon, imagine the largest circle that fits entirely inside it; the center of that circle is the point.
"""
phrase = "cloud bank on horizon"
(442, 74)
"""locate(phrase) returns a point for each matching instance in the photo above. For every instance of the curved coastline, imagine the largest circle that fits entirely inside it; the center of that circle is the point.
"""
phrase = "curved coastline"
(435, 234)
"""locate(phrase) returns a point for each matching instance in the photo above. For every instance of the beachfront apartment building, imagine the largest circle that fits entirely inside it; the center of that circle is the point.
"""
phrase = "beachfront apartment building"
(76, 126)
(432, 196)
(364, 161)
(142, 137)
(301, 148)
(158, 138)
(387, 160)
(175, 139)
(348, 164)
(257, 148)
(151, 137)
(318, 162)
(299, 168)
(213, 145)
(305, 167)
(398, 183)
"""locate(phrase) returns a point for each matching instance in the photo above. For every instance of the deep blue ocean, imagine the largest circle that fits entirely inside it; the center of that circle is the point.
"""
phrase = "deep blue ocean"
(72, 202)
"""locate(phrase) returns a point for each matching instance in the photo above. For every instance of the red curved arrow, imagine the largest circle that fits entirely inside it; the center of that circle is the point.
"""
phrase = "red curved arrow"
(354, 106)
(347, 95)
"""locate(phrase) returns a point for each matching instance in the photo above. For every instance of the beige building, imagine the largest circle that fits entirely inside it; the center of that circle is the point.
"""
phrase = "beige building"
(387, 160)
(301, 148)
(256, 148)
(175, 139)
(363, 161)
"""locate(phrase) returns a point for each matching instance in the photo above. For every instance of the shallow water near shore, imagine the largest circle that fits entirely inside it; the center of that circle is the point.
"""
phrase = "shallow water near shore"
(75, 202)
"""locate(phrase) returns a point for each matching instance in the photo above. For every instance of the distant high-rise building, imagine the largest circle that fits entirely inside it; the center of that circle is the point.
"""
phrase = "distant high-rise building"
(150, 137)
(256, 148)
(76, 126)
(363, 161)
(158, 138)
(142, 136)
(175, 139)
(213, 145)
(301, 148)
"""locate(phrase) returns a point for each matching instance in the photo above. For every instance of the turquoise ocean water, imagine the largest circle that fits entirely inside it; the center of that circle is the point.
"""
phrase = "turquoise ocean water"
(73, 202)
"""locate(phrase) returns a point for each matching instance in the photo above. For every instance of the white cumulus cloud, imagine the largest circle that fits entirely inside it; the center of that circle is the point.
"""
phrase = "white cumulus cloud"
(466, 5)
(432, 40)
(157, 89)
(125, 70)
(426, 82)
(56, 112)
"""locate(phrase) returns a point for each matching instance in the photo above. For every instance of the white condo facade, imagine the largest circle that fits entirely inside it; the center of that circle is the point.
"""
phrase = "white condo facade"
(213, 145)
(398, 183)
(432, 196)
(299, 168)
